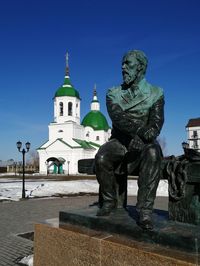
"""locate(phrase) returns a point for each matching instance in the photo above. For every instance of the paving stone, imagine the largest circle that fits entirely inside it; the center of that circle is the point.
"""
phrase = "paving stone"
(20, 217)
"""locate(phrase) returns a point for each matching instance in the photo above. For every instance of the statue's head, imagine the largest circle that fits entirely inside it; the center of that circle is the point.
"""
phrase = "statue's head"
(134, 65)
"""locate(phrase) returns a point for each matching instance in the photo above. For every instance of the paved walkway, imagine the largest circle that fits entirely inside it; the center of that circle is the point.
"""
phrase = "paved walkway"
(19, 217)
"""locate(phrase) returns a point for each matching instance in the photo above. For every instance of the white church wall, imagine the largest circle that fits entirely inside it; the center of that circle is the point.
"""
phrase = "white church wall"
(97, 136)
(88, 133)
(75, 156)
(66, 131)
(42, 160)
(89, 154)
(78, 131)
(71, 157)
(71, 160)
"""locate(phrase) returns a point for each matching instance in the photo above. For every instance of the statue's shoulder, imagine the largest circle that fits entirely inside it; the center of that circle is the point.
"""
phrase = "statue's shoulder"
(157, 92)
(114, 91)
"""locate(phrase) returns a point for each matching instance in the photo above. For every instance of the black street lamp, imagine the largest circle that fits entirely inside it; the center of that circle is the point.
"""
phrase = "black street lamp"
(23, 151)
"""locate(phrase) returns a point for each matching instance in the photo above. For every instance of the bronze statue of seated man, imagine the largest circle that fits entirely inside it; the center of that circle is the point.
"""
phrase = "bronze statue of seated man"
(136, 109)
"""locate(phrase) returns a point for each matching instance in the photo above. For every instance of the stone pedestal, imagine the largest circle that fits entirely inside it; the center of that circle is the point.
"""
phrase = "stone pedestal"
(82, 238)
(76, 245)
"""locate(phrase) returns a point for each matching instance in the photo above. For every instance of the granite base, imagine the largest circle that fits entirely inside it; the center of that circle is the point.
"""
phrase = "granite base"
(76, 245)
(82, 238)
(167, 233)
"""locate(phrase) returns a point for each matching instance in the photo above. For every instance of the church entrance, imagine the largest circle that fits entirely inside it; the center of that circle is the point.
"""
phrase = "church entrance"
(55, 165)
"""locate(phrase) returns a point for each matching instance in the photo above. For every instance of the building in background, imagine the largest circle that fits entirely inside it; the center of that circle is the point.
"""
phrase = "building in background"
(69, 140)
(193, 133)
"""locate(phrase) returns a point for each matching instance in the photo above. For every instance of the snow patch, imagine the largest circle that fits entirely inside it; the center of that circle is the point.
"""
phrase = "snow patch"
(27, 260)
(12, 189)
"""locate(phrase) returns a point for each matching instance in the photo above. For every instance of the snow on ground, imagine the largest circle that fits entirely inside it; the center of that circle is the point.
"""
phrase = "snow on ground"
(27, 260)
(11, 189)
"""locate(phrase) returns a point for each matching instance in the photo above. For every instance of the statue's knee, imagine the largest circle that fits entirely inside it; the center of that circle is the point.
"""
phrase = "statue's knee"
(100, 160)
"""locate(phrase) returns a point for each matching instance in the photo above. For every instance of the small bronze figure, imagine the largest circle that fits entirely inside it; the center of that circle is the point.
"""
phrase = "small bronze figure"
(136, 109)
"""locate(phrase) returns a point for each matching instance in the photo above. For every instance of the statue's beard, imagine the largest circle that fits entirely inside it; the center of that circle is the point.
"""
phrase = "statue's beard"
(128, 79)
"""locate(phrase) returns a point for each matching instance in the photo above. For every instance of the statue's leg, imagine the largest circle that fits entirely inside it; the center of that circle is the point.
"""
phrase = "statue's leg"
(108, 158)
(149, 175)
(121, 190)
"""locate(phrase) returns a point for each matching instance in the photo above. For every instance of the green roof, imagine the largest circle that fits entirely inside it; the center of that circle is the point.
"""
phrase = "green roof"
(84, 144)
(67, 89)
(96, 120)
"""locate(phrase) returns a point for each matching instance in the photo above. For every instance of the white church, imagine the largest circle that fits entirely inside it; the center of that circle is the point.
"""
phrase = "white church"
(69, 140)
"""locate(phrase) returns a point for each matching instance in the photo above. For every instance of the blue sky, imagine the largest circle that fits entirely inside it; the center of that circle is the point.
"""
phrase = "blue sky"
(35, 36)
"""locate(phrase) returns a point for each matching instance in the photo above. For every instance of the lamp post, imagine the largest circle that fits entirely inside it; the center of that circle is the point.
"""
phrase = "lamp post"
(15, 167)
(68, 162)
(23, 151)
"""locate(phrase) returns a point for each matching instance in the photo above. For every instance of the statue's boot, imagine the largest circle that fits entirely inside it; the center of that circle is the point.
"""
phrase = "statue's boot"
(106, 209)
(145, 221)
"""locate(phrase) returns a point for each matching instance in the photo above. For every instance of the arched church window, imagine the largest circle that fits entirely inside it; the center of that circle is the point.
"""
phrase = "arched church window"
(61, 108)
(76, 109)
(88, 134)
(70, 108)
(97, 137)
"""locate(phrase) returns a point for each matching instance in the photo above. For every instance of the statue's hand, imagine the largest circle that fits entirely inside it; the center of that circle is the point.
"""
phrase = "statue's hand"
(136, 144)
(147, 134)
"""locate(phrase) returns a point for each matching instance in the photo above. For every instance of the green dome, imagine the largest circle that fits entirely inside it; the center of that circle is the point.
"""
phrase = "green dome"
(67, 90)
(96, 120)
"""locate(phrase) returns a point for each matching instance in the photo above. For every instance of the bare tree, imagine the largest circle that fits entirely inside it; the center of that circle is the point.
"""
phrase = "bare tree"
(33, 158)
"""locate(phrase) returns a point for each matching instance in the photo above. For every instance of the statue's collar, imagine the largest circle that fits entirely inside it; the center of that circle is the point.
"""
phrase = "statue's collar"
(140, 86)
(133, 96)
